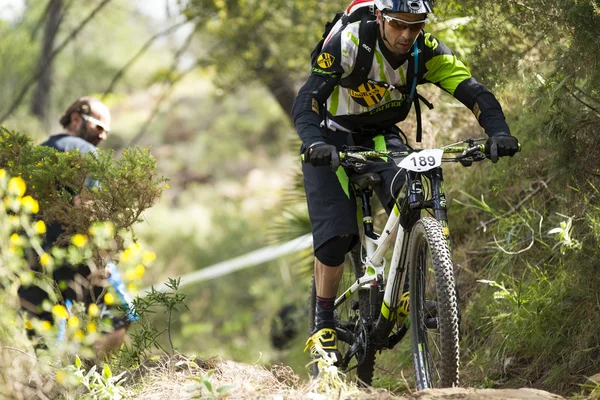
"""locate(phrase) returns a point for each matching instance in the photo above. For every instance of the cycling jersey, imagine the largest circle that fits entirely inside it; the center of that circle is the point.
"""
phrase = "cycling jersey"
(370, 107)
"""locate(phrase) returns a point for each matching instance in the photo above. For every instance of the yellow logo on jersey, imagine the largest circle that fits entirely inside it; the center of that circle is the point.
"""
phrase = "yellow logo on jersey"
(429, 42)
(325, 60)
(368, 94)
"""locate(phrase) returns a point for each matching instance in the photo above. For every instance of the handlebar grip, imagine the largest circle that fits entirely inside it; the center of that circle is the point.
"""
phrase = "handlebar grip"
(306, 160)
(484, 148)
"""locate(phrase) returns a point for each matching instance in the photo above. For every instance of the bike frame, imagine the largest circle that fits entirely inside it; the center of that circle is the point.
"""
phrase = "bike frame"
(398, 225)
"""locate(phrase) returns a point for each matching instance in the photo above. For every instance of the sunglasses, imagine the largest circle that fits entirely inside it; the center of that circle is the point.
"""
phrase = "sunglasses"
(99, 124)
(400, 24)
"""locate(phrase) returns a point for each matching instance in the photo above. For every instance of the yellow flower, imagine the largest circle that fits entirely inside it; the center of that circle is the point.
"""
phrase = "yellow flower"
(78, 335)
(93, 310)
(148, 257)
(79, 240)
(92, 327)
(139, 271)
(109, 299)
(16, 186)
(166, 186)
(2, 173)
(73, 322)
(61, 376)
(130, 275)
(60, 312)
(28, 325)
(40, 227)
(30, 204)
(126, 256)
(46, 260)
(15, 239)
(46, 325)
(132, 288)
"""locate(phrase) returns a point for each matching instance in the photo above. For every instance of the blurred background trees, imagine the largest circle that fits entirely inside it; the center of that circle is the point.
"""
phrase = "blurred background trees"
(208, 85)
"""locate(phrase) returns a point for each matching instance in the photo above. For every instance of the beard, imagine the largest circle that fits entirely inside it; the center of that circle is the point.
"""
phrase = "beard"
(87, 134)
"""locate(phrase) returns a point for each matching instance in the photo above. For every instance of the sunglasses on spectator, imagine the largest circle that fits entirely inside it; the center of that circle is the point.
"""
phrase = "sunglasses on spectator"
(99, 124)
(400, 24)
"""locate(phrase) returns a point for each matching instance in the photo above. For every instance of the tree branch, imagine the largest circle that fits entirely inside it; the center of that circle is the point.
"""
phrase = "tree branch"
(585, 103)
(40, 21)
(586, 94)
(61, 47)
(170, 85)
(140, 52)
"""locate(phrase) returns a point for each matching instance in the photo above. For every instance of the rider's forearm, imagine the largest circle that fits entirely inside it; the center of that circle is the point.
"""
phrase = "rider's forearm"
(307, 111)
(484, 105)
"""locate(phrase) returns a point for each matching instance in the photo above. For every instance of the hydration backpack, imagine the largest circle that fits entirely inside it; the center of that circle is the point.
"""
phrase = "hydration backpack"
(358, 10)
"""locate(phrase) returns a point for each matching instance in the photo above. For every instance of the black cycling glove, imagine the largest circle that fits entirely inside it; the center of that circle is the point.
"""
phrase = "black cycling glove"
(321, 154)
(502, 144)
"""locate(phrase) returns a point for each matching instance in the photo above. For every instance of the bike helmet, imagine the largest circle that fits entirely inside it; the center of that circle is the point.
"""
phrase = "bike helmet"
(404, 6)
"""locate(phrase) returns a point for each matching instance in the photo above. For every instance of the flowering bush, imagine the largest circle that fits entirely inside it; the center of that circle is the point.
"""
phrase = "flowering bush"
(96, 230)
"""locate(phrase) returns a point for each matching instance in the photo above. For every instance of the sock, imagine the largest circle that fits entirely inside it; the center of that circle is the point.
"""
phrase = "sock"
(324, 313)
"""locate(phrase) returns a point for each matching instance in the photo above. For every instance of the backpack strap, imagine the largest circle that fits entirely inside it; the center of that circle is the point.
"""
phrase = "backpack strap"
(416, 97)
(367, 37)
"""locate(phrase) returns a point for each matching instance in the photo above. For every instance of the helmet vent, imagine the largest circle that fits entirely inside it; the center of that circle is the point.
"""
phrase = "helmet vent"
(415, 5)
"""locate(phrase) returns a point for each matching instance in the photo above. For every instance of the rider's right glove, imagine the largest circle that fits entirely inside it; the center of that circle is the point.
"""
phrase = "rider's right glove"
(321, 154)
(502, 144)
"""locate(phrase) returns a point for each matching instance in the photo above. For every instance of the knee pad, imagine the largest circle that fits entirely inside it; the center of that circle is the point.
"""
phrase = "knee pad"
(333, 251)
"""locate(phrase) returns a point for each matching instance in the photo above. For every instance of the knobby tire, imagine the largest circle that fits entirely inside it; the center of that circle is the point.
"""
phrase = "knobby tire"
(433, 301)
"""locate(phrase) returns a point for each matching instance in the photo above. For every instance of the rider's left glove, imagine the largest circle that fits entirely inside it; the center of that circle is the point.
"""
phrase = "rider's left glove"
(502, 144)
(321, 154)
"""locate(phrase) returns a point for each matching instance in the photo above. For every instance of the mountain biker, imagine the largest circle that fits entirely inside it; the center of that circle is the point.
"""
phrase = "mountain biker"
(86, 122)
(328, 116)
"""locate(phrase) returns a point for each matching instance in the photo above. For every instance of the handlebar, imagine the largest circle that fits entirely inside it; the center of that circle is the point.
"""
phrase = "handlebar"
(467, 152)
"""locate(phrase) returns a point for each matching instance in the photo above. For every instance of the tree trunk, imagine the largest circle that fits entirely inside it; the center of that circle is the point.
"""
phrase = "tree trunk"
(282, 89)
(41, 96)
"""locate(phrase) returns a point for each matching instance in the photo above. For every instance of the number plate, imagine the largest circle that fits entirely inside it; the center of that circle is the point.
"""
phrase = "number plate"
(422, 160)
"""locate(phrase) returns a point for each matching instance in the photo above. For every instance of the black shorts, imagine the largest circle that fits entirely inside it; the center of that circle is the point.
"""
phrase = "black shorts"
(330, 199)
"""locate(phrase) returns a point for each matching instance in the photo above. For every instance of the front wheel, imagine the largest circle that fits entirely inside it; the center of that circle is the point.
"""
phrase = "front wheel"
(434, 314)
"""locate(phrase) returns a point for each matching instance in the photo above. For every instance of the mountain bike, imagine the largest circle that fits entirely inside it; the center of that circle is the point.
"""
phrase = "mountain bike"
(369, 308)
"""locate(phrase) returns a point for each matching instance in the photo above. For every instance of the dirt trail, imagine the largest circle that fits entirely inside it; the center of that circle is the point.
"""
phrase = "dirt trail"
(242, 381)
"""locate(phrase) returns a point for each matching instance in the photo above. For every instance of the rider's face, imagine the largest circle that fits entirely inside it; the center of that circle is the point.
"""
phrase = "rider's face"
(400, 30)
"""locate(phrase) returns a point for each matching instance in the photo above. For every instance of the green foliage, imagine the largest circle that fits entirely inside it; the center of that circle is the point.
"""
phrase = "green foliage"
(144, 335)
(207, 389)
(119, 191)
(101, 386)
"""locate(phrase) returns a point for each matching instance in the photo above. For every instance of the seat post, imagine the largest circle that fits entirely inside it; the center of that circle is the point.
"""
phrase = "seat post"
(367, 213)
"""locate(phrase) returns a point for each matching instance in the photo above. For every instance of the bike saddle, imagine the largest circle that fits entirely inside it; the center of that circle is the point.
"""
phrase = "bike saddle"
(365, 181)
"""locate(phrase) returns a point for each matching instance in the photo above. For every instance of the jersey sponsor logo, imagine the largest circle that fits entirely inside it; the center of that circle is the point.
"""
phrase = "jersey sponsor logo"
(325, 60)
(320, 71)
(431, 42)
(476, 111)
(367, 94)
(387, 106)
(315, 106)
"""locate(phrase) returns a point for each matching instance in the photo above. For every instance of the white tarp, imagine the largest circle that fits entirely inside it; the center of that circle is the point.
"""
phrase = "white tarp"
(235, 264)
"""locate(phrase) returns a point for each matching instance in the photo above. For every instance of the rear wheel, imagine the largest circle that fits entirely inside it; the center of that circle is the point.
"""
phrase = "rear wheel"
(434, 316)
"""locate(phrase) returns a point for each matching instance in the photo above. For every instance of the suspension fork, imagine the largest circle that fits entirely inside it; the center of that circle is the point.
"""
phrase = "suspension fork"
(438, 198)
